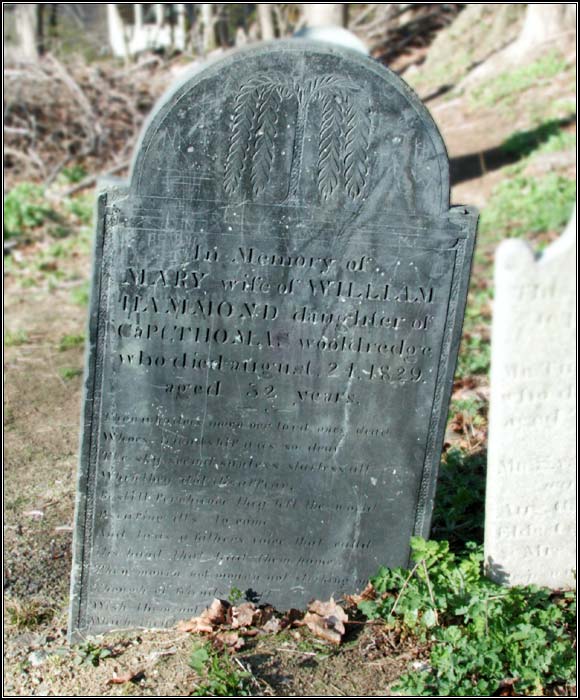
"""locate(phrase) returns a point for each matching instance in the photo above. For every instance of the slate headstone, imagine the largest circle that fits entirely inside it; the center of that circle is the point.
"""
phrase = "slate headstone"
(277, 304)
(530, 521)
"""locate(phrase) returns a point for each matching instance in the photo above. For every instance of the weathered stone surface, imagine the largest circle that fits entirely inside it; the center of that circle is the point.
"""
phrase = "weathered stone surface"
(277, 305)
(530, 522)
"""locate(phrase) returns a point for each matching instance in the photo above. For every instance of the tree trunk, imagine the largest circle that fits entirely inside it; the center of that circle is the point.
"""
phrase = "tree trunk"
(26, 19)
(208, 26)
(266, 21)
(324, 14)
(117, 39)
(544, 22)
(159, 14)
(138, 15)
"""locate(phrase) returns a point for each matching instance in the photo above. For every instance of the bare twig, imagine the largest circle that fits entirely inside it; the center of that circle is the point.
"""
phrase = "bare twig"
(403, 587)
(430, 589)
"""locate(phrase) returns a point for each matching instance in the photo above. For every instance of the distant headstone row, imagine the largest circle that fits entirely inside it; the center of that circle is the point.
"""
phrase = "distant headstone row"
(276, 311)
(530, 529)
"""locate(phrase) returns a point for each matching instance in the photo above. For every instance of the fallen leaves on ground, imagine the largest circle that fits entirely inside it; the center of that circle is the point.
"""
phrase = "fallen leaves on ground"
(210, 618)
(126, 677)
(326, 620)
(229, 624)
(368, 593)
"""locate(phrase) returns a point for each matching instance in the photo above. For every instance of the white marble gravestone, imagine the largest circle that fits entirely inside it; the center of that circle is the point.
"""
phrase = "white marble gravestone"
(530, 524)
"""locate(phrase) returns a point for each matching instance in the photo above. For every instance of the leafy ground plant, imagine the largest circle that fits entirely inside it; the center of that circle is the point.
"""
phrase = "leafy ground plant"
(25, 209)
(482, 636)
(91, 653)
(221, 677)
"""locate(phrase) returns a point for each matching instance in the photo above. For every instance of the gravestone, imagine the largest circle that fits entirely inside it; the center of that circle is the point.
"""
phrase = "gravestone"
(530, 521)
(277, 303)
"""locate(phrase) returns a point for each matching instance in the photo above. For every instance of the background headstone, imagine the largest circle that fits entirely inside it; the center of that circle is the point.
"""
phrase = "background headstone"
(530, 523)
(276, 311)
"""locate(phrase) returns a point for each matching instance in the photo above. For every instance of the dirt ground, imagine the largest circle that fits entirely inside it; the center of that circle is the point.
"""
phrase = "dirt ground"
(43, 377)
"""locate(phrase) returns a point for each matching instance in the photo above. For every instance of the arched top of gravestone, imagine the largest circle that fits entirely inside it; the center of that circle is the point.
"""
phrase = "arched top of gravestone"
(298, 125)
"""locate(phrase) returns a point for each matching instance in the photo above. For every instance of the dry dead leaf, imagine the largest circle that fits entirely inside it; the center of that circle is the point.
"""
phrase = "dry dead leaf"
(197, 625)
(325, 628)
(326, 620)
(292, 618)
(368, 593)
(210, 618)
(228, 640)
(328, 608)
(126, 677)
(243, 615)
(217, 612)
(272, 626)
(263, 615)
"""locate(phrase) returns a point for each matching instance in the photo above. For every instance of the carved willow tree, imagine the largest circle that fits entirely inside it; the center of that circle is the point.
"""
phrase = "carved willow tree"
(343, 139)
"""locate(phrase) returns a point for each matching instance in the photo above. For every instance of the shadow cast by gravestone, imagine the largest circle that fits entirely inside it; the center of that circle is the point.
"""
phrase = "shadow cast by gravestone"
(514, 149)
(459, 510)
(496, 572)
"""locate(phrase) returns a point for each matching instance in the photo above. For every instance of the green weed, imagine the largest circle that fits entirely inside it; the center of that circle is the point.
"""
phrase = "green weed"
(81, 294)
(235, 596)
(25, 209)
(91, 654)
(481, 634)
(68, 373)
(472, 409)
(27, 282)
(220, 676)
(474, 355)
(14, 338)
(9, 418)
(71, 341)
(81, 207)
(73, 174)
(311, 645)
(30, 613)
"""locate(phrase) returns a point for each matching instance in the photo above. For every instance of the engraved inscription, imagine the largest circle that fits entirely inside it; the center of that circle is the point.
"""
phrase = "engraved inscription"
(530, 515)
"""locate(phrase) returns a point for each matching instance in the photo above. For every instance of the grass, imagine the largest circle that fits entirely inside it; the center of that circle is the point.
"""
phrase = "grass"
(68, 373)
(15, 338)
(474, 355)
(67, 342)
(504, 88)
(28, 614)
(524, 206)
(81, 294)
